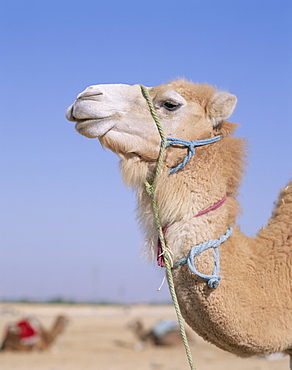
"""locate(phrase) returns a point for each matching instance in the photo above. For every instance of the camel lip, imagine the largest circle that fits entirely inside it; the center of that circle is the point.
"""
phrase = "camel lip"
(87, 120)
(92, 127)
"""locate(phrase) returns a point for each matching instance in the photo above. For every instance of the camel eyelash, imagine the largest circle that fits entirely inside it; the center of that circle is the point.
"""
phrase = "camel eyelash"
(170, 105)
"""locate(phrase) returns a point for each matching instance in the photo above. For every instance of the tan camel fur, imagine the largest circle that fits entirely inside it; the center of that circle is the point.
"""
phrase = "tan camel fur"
(250, 313)
(42, 340)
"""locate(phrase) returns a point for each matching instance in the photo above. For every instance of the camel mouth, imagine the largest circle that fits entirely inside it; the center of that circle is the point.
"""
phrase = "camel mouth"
(86, 121)
(94, 127)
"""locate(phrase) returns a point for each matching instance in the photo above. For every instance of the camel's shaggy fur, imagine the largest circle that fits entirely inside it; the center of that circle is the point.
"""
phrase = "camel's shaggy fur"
(250, 313)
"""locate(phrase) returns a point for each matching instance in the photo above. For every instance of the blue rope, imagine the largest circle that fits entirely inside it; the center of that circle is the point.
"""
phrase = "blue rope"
(212, 280)
(191, 148)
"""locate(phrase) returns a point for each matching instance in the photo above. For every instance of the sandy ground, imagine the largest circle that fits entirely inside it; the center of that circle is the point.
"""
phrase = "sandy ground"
(97, 338)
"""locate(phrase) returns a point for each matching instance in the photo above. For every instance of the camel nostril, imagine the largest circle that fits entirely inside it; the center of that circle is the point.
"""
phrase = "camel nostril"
(70, 114)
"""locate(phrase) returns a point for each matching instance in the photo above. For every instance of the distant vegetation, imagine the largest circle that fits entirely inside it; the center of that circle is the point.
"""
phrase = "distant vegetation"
(59, 300)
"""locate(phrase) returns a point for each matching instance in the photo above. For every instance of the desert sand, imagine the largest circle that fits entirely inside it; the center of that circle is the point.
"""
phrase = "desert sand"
(98, 337)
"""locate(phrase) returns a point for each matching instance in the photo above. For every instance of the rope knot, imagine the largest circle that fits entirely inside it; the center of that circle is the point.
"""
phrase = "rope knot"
(149, 189)
(214, 283)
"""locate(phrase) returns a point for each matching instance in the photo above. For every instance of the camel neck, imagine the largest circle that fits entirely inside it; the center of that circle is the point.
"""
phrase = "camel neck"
(215, 171)
(190, 217)
(160, 258)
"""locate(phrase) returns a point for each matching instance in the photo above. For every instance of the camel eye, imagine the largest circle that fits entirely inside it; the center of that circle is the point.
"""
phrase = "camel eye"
(170, 105)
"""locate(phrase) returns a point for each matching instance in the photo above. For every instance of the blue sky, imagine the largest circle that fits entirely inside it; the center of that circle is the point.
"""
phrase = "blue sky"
(67, 226)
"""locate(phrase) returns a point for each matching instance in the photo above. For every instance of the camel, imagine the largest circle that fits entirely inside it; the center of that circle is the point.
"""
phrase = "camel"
(247, 308)
(28, 335)
(163, 333)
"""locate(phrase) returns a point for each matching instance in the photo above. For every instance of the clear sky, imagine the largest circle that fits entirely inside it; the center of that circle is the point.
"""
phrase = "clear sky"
(68, 225)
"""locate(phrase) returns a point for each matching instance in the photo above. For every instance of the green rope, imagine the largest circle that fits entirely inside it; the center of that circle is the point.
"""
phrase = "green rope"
(150, 188)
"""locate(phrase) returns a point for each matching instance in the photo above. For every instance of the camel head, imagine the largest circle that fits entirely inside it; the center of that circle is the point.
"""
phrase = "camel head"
(60, 324)
(119, 116)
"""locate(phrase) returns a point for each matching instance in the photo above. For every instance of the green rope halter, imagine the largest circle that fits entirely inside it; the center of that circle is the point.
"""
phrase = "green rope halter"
(150, 188)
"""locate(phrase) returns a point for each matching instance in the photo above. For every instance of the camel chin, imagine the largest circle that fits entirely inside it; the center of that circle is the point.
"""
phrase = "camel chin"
(94, 128)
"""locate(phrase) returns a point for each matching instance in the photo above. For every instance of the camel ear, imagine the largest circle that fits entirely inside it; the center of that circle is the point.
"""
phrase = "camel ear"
(221, 107)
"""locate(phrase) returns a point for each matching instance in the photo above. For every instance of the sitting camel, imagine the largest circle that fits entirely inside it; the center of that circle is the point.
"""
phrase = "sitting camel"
(250, 311)
(28, 335)
(162, 333)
